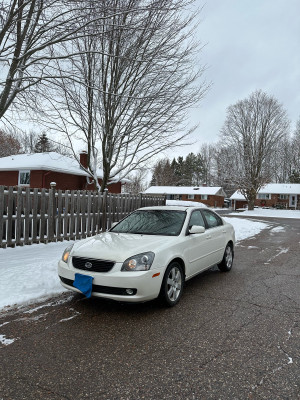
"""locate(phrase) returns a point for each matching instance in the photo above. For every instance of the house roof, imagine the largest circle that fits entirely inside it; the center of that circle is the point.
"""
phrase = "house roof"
(47, 161)
(186, 190)
(42, 161)
(237, 195)
(272, 188)
(281, 188)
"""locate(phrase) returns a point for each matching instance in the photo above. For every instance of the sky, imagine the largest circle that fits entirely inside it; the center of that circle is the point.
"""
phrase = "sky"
(248, 45)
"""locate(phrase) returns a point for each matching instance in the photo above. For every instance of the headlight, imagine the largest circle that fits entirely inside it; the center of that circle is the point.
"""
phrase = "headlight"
(66, 253)
(140, 262)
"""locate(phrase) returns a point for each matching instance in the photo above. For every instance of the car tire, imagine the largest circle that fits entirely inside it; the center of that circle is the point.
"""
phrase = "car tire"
(227, 261)
(172, 285)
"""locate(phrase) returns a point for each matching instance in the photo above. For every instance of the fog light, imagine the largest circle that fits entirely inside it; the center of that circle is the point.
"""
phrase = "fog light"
(129, 291)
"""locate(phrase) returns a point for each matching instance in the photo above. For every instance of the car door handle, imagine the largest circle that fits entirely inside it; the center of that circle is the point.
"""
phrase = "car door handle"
(223, 231)
(208, 237)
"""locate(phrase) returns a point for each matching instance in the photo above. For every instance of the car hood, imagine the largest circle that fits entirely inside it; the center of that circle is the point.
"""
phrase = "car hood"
(119, 246)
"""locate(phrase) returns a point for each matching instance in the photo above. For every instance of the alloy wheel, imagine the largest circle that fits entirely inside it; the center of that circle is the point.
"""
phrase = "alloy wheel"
(174, 284)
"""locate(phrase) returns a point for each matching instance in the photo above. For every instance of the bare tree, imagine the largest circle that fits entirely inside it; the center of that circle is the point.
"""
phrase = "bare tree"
(251, 131)
(9, 144)
(136, 80)
(28, 140)
(137, 182)
(280, 160)
(31, 33)
(208, 153)
(295, 155)
(224, 162)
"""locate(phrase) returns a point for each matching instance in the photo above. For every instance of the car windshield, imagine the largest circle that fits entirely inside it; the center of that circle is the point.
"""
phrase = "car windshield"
(152, 222)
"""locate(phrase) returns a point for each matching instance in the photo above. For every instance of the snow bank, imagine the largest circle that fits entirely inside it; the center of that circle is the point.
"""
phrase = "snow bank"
(29, 272)
(245, 229)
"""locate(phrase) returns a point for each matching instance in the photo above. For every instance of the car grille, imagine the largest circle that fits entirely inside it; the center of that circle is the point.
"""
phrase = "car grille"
(91, 264)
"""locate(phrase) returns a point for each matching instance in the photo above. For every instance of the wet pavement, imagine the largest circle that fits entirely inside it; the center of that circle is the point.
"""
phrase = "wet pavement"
(233, 335)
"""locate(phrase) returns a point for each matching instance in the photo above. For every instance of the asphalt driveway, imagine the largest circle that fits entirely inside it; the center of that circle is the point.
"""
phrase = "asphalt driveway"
(232, 336)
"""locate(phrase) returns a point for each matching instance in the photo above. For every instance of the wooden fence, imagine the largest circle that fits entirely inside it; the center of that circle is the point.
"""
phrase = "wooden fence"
(47, 215)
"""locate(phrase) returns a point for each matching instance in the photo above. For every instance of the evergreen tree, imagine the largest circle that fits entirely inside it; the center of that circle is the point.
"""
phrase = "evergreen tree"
(194, 169)
(180, 172)
(294, 177)
(43, 144)
(163, 174)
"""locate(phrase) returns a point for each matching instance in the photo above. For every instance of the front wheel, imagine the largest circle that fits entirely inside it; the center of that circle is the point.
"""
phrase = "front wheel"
(226, 263)
(172, 285)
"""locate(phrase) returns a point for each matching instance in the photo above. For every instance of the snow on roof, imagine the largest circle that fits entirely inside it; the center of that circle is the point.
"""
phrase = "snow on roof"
(42, 161)
(185, 203)
(50, 162)
(237, 195)
(281, 188)
(272, 188)
(185, 190)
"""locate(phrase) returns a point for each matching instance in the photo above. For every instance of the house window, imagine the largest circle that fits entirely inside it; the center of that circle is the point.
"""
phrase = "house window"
(191, 196)
(264, 196)
(283, 196)
(204, 197)
(24, 178)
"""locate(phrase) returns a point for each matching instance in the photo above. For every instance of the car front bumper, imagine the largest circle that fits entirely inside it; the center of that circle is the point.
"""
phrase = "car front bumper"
(142, 285)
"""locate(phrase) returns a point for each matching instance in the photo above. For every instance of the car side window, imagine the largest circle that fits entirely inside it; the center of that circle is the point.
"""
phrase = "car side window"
(212, 219)
(196, 219)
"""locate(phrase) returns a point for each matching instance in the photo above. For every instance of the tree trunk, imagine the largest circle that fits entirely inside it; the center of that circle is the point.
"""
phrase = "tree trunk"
(251, 200)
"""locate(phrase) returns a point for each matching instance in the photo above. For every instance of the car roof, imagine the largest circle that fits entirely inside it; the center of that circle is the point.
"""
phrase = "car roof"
(170, 208)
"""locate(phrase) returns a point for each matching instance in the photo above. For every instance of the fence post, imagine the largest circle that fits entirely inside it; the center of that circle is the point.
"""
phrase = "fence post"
(52, 211)
(104, 207)
(11, 206)
(2, 212)
(140, 200)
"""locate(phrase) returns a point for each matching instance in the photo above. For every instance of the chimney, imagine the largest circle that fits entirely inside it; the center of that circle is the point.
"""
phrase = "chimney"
(83, 159)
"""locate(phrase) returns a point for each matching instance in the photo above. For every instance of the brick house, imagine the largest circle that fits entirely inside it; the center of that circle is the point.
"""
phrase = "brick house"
(275, 195)
(211, 196)
(38, 170)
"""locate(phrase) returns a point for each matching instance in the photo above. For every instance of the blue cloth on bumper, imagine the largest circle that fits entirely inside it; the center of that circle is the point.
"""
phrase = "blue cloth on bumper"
(84, 283)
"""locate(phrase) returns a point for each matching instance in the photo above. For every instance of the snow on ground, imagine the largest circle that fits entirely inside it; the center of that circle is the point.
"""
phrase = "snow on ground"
(29, 273)
(277, 229)
(272, 213)
(245, 229)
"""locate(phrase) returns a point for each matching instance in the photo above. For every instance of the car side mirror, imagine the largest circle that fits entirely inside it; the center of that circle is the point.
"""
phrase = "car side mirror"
(196, 229)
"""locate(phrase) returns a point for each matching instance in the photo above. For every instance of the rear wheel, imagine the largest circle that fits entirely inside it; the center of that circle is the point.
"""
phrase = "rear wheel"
(226, 263)
(172, 285)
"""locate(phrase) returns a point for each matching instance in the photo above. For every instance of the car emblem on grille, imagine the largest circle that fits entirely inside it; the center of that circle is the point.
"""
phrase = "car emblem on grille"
(88, 265)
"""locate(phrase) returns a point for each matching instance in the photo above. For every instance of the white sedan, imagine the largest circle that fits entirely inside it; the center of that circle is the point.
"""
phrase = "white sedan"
(148, 254)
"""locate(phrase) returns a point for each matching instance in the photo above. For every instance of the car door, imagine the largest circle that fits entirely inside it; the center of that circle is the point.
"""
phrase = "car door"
(196, 250)
(215, 236)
